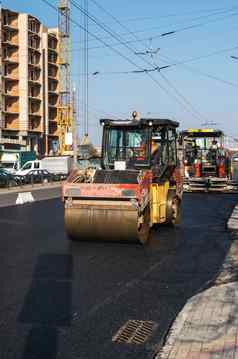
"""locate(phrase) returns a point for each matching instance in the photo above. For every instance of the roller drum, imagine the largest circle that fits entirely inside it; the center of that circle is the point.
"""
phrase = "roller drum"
(103, 220)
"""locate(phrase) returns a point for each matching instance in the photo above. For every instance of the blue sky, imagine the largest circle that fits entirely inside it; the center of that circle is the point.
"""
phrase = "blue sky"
(190, 93)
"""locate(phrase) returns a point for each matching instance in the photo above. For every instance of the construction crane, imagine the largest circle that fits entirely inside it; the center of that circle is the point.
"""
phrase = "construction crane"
(64, 107)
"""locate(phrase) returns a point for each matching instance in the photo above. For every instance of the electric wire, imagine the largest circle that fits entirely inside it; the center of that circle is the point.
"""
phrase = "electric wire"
(196, 112)
(119, 53)
(170, 32)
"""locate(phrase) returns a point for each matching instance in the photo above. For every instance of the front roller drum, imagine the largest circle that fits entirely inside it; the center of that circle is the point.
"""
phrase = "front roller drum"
(104, 221)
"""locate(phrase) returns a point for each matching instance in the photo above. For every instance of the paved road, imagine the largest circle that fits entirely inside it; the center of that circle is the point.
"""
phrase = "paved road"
(66, 300)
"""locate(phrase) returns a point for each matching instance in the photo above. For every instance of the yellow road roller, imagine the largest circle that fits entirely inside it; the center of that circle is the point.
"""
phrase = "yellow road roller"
(138, 185)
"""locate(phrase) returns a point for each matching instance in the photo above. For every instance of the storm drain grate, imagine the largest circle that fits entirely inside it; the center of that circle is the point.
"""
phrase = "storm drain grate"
(134, 332)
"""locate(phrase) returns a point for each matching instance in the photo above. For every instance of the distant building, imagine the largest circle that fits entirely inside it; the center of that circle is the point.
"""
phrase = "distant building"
(29, 83)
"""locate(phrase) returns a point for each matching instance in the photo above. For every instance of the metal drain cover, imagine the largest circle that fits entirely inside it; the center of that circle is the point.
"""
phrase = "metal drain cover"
(134, 332)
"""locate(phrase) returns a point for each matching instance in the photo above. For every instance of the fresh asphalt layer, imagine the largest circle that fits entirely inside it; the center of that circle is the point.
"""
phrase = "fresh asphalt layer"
(67, 300)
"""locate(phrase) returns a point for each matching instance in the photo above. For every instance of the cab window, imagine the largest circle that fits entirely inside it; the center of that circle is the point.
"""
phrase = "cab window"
(27, 166)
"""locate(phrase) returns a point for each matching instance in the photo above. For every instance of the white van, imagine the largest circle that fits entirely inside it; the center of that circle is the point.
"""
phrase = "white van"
(53, 164)
(29, 166)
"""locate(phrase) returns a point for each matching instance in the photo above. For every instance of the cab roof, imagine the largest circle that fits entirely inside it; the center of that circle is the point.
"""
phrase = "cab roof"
(202, 132)
(141, 122)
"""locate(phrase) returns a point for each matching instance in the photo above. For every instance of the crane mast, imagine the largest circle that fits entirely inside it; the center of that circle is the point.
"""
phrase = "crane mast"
(64, 106)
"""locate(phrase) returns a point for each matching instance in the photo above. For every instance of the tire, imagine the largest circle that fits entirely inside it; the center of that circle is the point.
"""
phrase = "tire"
(144, 233)
(12, 184)
(173, 209)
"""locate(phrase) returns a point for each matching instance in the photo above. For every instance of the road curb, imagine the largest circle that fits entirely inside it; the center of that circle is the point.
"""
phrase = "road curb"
(232, 223)
(29, 195)
(175, 329)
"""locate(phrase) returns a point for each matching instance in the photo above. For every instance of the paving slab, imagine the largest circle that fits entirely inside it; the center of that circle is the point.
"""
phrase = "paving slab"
(207, 327)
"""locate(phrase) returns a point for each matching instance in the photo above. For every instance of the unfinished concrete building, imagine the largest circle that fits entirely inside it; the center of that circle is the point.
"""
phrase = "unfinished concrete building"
(29, 82)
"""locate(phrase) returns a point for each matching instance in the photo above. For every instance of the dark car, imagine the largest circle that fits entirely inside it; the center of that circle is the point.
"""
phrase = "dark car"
(38, 176)
(7, 179)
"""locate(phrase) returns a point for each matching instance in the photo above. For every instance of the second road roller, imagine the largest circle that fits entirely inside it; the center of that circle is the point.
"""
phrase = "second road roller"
(138, 186)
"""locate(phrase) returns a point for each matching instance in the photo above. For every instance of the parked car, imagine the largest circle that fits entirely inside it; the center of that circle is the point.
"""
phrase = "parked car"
(235, 158)
(37, 176)
(7, 179)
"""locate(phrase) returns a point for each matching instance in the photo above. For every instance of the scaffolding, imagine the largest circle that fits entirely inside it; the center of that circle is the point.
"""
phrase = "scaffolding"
(64, 107)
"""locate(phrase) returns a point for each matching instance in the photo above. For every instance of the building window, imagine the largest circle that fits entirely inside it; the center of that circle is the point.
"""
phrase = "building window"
(33, 26)
(6, 36)
(33, 58)
(5, 70)
(52, 43)
(5, 19)
(52, 57)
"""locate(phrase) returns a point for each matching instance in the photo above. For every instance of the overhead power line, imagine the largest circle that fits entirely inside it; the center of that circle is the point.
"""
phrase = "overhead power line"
(94, 35)
(120, 54)
(202, 73)
(170, 32)
(218, 12)
(156, 68)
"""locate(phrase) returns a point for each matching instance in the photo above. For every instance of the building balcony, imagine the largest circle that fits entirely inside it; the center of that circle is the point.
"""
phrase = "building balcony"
(35, 49)
(53, 96)
(10, 27)
(10, 111)
(35, 124)
(11, 122)
(10, 95)
(10, 44)
(12, 141)
(52, 103)
(54, 50)
(53, 78)
(53, 92)
(52, 106)
(11, 60)
(34, 98)
(10, 77)
(35, 114)
(53, 119)
(54, 64)
(34, 65)
(54, 130)
(33, 26)
(35, 82)
(34, 32)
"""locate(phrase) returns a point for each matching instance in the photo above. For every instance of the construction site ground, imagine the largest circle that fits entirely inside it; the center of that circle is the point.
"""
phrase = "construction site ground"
(62, 299)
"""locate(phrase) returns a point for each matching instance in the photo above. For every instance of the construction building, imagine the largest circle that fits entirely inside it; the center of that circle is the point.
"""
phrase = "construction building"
(30, 84)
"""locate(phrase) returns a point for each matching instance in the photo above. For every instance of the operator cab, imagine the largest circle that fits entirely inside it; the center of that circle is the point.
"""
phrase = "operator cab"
(137, 144)
(204, 148)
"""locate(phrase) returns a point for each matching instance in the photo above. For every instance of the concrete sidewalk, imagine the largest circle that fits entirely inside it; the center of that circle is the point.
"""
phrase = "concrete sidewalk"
(207, 327)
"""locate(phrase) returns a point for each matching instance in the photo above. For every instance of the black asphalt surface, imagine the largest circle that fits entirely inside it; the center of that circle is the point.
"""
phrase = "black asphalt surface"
(66, 300)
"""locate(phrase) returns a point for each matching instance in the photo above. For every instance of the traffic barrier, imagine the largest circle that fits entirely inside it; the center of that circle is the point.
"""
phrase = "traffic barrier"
(25, 197)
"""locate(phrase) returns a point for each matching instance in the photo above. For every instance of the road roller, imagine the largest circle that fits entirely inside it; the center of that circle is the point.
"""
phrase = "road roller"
(207, 163)
(138, 185)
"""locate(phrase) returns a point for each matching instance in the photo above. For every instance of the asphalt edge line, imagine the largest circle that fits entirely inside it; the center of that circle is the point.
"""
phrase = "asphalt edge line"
(232, 223)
